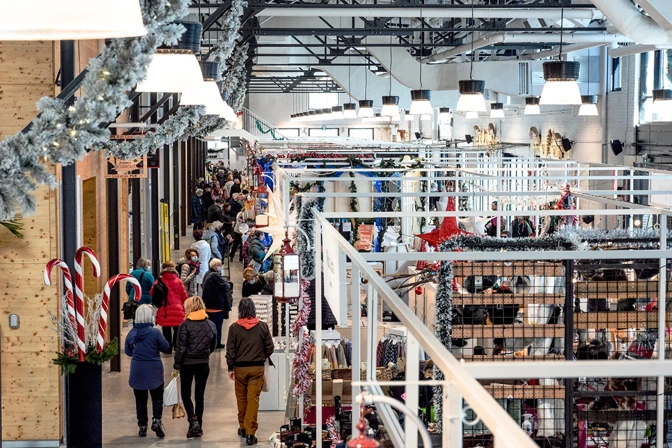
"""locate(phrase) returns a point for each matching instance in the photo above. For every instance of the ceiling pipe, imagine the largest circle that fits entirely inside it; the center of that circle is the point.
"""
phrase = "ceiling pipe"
(565, 50)
(435, 12)
(627, 19)
(634, 49)
(499, 38)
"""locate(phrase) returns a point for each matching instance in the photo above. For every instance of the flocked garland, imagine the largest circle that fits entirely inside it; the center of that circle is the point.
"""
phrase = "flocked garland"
(233, 85)
(226, 43)
(306, 222)
(62, 133)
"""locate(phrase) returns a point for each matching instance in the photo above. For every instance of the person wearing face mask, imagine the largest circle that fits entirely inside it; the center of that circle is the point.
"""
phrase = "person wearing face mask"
(171, 314)
(217, 296)
(143, 274)
(254, 284)
(188, 267)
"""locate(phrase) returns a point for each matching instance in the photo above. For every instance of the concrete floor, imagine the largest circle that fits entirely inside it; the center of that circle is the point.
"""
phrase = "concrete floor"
(220, 421)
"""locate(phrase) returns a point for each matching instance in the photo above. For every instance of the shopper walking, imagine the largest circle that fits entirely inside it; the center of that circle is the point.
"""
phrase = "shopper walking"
(211, 235)
(215, 212)
(217, 296)
(144, 345)
(256, 250)
(188, 267)
(254, 284)
(197, 210)
(204, 255)
(237, 237)
(195, 343)
(228, 185)
(171, 313)
(207, 197)
(236, 188)
(143, 274)
(248, 347)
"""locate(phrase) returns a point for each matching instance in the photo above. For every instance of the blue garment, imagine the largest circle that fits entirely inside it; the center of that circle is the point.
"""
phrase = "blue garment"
(197, 209)
(145, 284)
(143, 344)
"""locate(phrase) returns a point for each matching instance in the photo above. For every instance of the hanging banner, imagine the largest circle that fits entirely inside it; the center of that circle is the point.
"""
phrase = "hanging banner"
(164, 223)
(335, 283)
(365, 237)
(126, 169)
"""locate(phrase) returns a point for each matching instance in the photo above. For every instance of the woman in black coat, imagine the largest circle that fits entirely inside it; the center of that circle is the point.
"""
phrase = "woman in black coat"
(217, 296)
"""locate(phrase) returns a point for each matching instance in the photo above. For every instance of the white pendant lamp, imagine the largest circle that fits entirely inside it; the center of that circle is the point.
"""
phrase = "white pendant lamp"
(312, 116)
(662, 101)
(365, 108)
(425, 117)
(207, 94)
(319, 115)
(561, 86)
(444, 113)
(337, 113)
(326, 114)
(407, 115)
(349, 111)
(70, 20)
(471, 96)
(472, 115)
(390, 106)
(497, 110)
(420, 104)
(174, 68)
(532, 105)
(588, 105)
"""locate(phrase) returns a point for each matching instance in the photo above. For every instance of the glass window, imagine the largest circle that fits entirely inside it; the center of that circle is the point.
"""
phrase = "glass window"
(319, 132)
(361, 133)
(322, 100)
(288, 132)
(616, 74)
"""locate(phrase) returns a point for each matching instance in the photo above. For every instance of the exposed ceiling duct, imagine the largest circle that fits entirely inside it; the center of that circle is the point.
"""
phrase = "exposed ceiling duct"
(627, 19)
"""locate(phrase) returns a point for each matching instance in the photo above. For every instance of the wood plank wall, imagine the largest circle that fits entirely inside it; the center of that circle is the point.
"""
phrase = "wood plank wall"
(30, 382)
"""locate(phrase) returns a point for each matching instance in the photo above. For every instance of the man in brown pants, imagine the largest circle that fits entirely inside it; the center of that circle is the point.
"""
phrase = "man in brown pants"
(248, 347)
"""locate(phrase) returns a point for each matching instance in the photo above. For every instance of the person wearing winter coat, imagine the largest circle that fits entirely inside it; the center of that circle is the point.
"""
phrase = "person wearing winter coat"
(207, 198)
(143, 274)
(236, 188)
(228, 185)
(237, 237)
(204, 255)
(248, 347)
(144, 344)
(217, 296)
(171, 314)
(254, 283)
(215, 212)
(188, 267)
(236, 207)
(197, 210)
(256, 250)
(212, 237)
(196, 340)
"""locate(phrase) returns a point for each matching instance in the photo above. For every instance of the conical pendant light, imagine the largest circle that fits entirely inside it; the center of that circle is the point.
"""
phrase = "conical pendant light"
(471, 90)
(70, 20)
(497, 110)
(366, 106)
(471, 115)
(561, 77)
(349, 109)
(390, 102)
(444, 113)
(662, 101)
(532, 105)
(337, 112)
(420, 99)
(588, 105)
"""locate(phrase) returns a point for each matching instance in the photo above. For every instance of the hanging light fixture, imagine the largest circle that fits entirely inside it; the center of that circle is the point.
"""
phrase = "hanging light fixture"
(532, 105)
(337, 112)
(444, 113)
(71, 20)
(407, 115)
(662, 101)
(312, 116)
(175, 68)
(365, 108)
(420, 99)
(471, 90)
(425, 117)
(561, 77)
(326, 114)
(319, 115)
(390, 102)
(472, 115)
(497, 110)
(349, 110)
(206, 94)
(287, 278)
(588, 105)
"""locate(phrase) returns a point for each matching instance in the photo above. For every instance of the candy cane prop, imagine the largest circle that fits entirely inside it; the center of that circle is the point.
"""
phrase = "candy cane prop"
(102, 327)
(79, 284)
(67, 278)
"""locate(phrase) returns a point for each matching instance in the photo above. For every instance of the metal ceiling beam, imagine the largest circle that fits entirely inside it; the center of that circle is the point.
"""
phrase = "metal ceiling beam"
(405, 31)
(216, 15)
(418, 45)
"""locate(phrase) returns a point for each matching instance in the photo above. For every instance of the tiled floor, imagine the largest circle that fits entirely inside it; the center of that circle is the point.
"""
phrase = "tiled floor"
(220, 419)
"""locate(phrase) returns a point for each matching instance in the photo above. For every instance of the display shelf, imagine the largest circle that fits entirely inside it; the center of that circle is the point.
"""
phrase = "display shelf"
(515, 268)
(618, 289)
(525, 391)
(331, 389)
(507, 299)
(616, 415)
(508, 331)
(497, 358)
(618, 319)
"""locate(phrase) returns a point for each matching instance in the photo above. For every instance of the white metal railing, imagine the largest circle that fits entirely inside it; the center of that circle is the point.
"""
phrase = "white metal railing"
(249, 122)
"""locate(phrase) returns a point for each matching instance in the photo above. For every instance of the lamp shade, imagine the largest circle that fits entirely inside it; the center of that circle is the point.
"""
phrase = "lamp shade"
(390, 106)
(444, 113)
(407, 115)
(209, 70)
(175, 73)
(532, 105)
(70, 20)
(349, 110)
(337, 112)
(420, 104)
(471, 115)
(496, 110)
(287, 278)
(188, 42)
(312, 115)
(207, 94)
(326, 114)
(471, 96)
(365, 108)
(662, 101)
(319, 115)
(561, 86)
(588, 105)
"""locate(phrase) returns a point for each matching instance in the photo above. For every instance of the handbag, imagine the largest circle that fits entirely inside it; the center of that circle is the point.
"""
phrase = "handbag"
(130, 307)
(267, 376)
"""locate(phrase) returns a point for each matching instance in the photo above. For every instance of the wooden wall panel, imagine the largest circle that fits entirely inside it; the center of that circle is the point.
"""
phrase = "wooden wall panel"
(30, 382)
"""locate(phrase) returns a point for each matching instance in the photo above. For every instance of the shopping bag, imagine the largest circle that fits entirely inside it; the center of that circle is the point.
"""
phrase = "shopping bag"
(267, 376)
(178, 411)
(170, 394)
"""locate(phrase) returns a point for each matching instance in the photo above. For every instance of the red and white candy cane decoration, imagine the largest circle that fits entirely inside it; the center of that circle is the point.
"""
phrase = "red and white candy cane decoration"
(102, 327)
(67, 278)
(79, 284)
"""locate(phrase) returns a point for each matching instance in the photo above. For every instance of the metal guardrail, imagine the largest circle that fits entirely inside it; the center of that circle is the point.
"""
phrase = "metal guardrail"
(252, 123)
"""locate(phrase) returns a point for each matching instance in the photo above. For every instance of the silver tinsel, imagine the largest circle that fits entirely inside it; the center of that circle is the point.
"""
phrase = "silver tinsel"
(63, 133)
(306, 222)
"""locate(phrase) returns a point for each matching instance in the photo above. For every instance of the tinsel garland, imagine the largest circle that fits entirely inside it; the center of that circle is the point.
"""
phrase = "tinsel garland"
(306, 222)
(301, 362)
(168, 132)
(226, 43)
(63, 133)
(333, 433)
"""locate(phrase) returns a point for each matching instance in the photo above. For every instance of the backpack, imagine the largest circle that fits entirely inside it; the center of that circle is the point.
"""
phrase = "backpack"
(159, 294)
(179, 269)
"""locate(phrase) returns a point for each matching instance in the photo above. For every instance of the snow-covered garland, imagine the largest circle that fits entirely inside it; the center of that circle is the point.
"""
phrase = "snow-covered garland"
(227, 41)
(206, 126)
(63, 134)
(568, 239)
(233, 86)
(306, 222)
